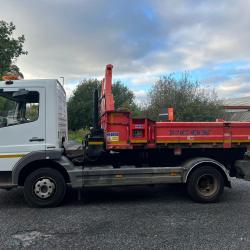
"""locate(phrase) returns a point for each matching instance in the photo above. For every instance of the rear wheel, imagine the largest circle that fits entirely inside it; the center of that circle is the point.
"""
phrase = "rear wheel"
(205, 184)
(45, 187)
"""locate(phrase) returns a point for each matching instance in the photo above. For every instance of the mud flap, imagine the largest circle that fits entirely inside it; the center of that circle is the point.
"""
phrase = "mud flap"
(243, 169)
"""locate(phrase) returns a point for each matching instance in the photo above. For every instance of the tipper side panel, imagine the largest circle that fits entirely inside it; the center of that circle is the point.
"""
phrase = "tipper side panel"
(189, 132)
(240, 132)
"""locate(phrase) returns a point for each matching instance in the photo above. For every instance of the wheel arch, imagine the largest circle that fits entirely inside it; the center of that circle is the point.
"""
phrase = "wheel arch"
(32, 166)
(191, 165)
(39, 159)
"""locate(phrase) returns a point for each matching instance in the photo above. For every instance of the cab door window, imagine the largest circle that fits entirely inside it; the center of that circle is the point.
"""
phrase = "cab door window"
(18, 107)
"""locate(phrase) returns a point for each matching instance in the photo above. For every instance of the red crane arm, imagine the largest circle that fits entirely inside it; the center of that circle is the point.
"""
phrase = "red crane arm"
(107, 99)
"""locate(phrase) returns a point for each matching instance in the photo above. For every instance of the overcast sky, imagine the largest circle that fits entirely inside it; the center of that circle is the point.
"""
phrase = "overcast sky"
(143, 39)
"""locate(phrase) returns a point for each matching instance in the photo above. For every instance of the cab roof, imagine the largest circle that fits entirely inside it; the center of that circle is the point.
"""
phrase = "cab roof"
(46, 83)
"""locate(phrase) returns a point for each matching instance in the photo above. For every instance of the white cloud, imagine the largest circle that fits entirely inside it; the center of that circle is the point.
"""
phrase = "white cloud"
(235, 87)
(143, 39)
(140, 93)
(69, 88)
(140, 96)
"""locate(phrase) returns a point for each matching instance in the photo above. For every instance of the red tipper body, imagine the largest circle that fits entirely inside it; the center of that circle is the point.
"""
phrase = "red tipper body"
(123, 132)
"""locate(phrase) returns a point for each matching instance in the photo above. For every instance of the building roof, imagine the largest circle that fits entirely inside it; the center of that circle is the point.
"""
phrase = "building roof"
(237, 109)
(242, 101)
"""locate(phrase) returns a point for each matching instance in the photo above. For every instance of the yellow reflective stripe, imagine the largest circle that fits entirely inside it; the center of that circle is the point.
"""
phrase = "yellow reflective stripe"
(138, 141)
(95, 142)
(12, 156)
(240, 140)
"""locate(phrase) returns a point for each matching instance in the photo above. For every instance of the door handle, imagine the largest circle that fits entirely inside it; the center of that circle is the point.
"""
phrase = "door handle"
(36, 139)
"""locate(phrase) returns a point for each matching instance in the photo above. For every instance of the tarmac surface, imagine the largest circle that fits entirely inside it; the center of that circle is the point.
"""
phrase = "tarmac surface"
(148, 217)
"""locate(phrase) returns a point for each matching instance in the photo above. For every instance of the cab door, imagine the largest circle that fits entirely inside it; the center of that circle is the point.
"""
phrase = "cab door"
(22, 124)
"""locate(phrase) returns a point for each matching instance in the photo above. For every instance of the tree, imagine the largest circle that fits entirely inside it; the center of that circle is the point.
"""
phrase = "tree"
(190, 101)
(10, 48)
(13, 73)
(81, 102)
(123, 96)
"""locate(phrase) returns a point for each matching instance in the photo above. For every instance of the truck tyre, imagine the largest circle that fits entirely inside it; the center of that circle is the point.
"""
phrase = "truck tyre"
(45, 187)
(205, 184)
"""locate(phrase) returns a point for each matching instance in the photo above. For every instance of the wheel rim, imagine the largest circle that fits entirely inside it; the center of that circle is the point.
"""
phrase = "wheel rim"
(207, 185)
(44, 188)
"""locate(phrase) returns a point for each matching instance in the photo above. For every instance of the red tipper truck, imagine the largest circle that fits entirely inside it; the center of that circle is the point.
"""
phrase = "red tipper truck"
(119, 150)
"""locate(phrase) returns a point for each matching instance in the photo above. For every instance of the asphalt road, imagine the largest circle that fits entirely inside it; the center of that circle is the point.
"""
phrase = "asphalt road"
(159, 217)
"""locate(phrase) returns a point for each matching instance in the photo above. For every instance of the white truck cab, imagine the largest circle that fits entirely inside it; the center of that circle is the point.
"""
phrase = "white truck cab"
(33, 128)
(33, 117)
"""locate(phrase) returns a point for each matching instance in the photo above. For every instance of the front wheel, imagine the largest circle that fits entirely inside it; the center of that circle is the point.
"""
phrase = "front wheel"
(205, 184)
(45, 187)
